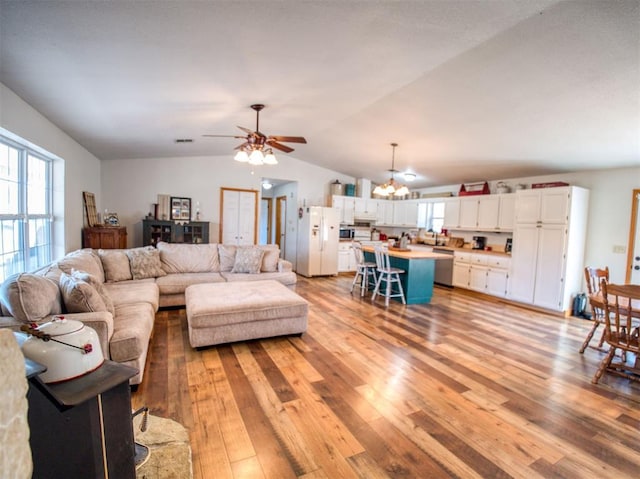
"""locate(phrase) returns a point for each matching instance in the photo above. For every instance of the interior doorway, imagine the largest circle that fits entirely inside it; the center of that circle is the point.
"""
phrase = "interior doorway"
(281, 224)
(633, 254)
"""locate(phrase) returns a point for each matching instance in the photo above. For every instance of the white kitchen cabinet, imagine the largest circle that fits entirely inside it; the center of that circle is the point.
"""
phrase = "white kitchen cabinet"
(498, 275)
(507, 212)
(478, 278)
(451, 213)
(239, 217)
(405, 213)
(385, 213)
(346, 258)
(461, 269)
(548, 248)
(365, 209)
(488, 212)
(468, 214)
(545, 205)
(346, 205)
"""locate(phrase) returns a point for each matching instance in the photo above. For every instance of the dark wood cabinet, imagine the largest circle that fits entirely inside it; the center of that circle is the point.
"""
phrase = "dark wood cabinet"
(83, 427)
(105, 237)
(154, 231)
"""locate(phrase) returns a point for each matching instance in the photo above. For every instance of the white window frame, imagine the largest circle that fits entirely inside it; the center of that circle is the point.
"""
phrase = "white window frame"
(29, 256)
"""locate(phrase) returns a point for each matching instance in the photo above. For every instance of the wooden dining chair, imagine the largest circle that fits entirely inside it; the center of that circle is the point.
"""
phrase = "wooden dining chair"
(593, 277)
(621, 306)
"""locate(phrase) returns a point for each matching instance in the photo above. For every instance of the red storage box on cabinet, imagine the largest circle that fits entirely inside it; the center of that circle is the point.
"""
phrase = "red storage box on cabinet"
(474, 189)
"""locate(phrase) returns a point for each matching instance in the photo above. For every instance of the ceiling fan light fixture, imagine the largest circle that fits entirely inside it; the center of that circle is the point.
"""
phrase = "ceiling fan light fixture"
(270, 158)
(241, 156)
(256, 157)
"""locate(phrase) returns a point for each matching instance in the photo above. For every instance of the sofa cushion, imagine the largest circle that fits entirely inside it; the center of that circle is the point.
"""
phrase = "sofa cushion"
(82, 260)
(248, 260)
(176, 283)
(99, 287)
(270, 258)
(285, 278)
(227, 256)
(30, 297)
(79, 296)
(132, 331)
(145, 263)
(135, 291)
(115, 263)
(189, 258)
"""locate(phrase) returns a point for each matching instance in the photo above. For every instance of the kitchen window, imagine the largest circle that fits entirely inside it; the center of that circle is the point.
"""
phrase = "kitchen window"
(25, 207)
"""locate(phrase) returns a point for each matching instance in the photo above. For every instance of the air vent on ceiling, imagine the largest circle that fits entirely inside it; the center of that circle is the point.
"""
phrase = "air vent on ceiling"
(184, 140)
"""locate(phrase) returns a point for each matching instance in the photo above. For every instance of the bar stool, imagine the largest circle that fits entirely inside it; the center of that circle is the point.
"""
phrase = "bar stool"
(365, 270)
(389, 275)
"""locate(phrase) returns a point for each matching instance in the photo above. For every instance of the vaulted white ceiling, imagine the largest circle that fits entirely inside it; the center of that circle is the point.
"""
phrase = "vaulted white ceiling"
(470, 90)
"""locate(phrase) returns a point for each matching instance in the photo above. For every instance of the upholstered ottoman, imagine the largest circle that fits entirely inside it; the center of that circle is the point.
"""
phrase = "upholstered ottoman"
(227, 312)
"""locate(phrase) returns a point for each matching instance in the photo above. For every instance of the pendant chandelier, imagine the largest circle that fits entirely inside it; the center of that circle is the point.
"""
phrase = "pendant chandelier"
(392, 188)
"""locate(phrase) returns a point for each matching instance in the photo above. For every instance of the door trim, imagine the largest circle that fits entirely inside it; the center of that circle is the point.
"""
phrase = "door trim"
(635, 201)
(279, 226)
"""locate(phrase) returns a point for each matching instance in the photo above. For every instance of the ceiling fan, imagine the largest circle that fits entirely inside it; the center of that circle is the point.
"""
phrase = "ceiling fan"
(257, 146)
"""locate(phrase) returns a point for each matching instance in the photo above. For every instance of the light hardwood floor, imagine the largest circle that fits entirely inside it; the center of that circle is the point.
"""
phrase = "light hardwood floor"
(465, 387)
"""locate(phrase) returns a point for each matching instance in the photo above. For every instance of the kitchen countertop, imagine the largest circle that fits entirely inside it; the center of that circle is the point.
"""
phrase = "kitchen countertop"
(465, 250)
(411, 254)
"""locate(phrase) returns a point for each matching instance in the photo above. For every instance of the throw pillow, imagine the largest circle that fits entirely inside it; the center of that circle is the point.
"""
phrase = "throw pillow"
(115, 264)
(248, 260)
(189, 258)
(83, 260)
(145, 263)
(270, 258)
(99, 287)
(227, 255)
(30, 297)
(79, 296)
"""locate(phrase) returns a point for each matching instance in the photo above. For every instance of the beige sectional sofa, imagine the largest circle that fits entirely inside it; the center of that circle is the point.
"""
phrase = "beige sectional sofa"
(118, 292)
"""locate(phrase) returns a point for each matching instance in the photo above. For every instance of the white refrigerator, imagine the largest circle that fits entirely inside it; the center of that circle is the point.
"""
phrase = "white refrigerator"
(318, 237)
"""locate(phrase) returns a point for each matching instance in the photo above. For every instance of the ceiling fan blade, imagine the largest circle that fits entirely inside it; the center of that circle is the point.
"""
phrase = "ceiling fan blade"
(289, 139)
(278, 146)
(224, 136)
(246, 130)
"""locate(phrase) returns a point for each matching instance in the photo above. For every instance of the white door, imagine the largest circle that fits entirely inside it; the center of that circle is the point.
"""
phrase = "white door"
(523, 263)
(478, 278)
(550, 266)
(238, 216)
(461, 275)
(497, 282)
(527, 206)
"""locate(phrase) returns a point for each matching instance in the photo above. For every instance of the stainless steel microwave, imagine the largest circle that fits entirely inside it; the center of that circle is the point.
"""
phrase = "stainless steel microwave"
(346, 232)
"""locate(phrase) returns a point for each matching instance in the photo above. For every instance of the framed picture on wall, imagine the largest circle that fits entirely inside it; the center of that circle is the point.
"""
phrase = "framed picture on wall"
(180, 208)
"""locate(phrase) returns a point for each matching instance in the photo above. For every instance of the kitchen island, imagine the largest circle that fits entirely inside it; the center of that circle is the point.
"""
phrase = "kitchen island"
(419, 266)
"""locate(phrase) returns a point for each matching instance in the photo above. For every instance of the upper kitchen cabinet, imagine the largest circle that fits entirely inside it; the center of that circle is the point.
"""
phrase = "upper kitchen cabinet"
(451, 213)
(365, 209)
(480, 213)
(385, 213)
(405, 213)
(346, 205)
(543, 205)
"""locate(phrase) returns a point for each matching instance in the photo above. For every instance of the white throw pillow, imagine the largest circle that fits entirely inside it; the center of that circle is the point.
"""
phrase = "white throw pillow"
(248, 260)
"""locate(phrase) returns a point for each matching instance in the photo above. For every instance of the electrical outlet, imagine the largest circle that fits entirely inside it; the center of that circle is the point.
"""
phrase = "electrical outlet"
(620, 249)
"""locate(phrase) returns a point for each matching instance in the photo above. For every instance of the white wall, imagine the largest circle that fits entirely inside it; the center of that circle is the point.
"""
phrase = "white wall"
(609, 211)
(78, 171)
(129, 187)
